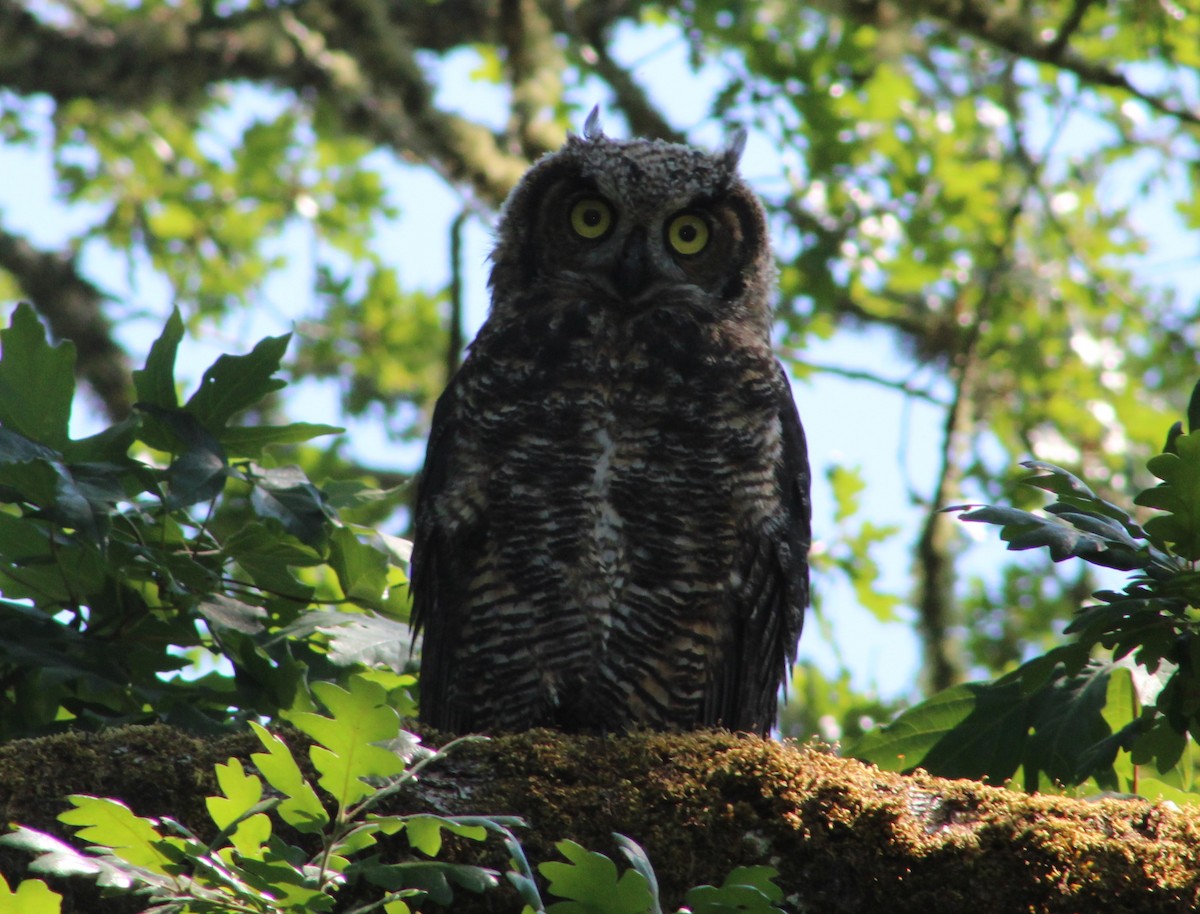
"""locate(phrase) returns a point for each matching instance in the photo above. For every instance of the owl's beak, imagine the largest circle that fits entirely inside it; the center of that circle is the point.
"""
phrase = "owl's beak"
(633, 273)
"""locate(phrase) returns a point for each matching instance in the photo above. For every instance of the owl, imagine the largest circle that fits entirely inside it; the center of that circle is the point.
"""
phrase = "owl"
(612, 524)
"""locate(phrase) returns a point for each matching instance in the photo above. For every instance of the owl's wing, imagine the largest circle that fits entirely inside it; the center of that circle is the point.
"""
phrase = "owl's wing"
(436, 575)
(770, 604)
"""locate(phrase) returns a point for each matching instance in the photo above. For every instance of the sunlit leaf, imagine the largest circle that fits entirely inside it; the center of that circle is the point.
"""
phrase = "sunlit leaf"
(590, 884)
(347, 755)
(32, 896)
(300, 807)
(243, 792)
(975, 730)
(111, 824)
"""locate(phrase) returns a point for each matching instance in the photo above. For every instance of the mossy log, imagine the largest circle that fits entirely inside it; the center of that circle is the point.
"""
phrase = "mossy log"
(845, 837)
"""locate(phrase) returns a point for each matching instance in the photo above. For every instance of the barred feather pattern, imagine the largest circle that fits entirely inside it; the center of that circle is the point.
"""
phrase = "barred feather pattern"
(612, 524)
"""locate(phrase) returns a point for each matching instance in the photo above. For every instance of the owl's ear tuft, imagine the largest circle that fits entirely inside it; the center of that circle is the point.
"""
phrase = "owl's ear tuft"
(591, 127)
(734, 148)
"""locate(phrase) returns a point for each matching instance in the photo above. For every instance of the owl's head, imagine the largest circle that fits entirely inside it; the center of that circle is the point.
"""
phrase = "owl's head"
(636, 224)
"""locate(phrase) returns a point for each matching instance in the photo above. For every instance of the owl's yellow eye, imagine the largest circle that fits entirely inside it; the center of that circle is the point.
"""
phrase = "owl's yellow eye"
(591, 218)
(687, 234)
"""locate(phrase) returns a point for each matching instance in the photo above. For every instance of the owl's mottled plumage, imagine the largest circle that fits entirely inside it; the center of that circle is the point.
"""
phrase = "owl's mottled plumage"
(612, 526)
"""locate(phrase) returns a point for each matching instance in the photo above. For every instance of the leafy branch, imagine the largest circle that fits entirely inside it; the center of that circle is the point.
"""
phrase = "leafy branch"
(1069, 717)
(174, 534)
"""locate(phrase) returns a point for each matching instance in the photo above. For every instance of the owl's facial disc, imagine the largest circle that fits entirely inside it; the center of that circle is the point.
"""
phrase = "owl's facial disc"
(644, 252)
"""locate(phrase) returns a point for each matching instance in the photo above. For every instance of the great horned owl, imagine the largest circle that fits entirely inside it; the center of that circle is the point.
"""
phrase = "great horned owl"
(612, 526)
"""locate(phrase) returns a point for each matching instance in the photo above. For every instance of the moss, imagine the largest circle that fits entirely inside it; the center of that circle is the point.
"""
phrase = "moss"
(844, 836)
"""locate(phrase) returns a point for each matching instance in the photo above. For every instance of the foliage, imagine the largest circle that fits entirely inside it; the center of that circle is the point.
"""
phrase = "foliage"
(248, 866)
(590, 884)
(32, 896)
(976, 204)
(169, 541)
(361, 757)
(1070, 716)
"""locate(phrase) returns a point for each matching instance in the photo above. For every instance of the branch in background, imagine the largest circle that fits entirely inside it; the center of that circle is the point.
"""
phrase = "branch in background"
(454, 345)
(72, 307)
(850, 374)
(644, 119)
(381, 93)
(942, 666)
(1064, 32)
(1009, 28)
(382, 97)
(359, 56)
(535, 66)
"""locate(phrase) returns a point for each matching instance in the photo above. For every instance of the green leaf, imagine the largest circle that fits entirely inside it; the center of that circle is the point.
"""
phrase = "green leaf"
(847, 485)
(37, 381)
(300, 807)
(432, 877)
(222, 612)
(367, 638)
(249, 440)
(425, 832)
(111, 824)
(200, 468)
(1157, 791)
(636, 855)
(347, 755)
(1071, 739)
(288, 885)
(590, 884)
(1193, 409)
(1179, 495)
(747, 890)
(28, 471)
(268, 556)
(173, 220)
(1066, 537)
(155, 384)
(286, 495)
(110, 445)
(976, 730)
(235, 382)
(31, 897)
(243, 793)
(196, 476)
(1164, 745)
(362, 570)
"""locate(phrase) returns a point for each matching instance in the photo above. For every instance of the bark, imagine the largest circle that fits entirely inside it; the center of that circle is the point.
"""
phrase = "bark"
(845, 837)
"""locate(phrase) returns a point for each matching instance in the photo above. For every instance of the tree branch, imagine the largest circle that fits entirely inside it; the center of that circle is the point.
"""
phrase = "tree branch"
(1007, 27)
(843, 836)
(644, 118)
(906, 388)
(382, 96)
(535, 65)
